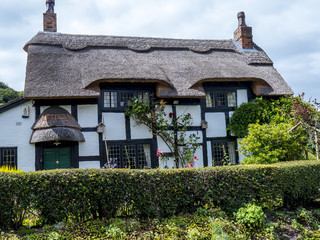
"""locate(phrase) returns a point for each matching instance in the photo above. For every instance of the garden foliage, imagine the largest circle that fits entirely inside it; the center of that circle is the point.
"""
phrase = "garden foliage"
(83, 194)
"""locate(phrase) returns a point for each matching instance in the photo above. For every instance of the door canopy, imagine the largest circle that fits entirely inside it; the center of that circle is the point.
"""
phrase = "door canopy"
(56, 124)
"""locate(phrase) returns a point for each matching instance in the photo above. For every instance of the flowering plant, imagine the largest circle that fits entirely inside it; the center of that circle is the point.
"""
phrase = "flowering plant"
(172, 131)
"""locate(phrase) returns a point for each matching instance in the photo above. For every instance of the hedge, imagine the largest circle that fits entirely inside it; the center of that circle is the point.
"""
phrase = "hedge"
(103, 193)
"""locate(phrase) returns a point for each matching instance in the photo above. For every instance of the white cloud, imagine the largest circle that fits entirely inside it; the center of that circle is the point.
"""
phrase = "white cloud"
(287, 30)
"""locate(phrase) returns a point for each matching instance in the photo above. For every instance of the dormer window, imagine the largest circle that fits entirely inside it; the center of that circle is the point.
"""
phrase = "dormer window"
(120, 99)
(221, 99)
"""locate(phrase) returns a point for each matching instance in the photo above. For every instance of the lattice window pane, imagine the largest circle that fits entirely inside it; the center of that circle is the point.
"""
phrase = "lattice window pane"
(144, 96)
(115, 156)
(110, 99)
(9, 157)
(221, 99)
(218, 153)
(232, 152)
(223, 153)
(129, 156)
(210, 100)
(125, 98)
(231, 99)
(144, 156)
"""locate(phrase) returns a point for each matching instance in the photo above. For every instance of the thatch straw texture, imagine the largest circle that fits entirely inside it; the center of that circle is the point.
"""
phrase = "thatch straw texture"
(57, 134)
(56, 124)
(72, 66)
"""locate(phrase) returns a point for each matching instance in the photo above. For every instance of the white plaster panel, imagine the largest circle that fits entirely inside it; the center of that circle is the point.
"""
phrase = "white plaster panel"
(139, 131)
(16, 131)
(199, 155)
(115, 126)
(162, 146)
(197, 133)
(169, 163)
(167, 110)
(194, 110)
(66, 107)
(89, 164)
(216, 124)
(242, 96)
(88, 115)
(209, 153)
(91, 145)
(241, 156)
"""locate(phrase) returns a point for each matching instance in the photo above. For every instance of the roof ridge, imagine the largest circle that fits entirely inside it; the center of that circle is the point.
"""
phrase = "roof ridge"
(78, 42)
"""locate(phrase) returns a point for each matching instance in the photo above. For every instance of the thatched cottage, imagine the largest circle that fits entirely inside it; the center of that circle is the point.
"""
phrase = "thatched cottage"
(74, 82)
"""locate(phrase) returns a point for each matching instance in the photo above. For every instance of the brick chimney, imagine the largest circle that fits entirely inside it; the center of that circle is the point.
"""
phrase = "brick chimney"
(243, 34)
(50, 18)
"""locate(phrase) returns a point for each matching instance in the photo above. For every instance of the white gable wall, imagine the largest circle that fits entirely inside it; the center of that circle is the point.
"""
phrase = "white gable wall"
(16, 131)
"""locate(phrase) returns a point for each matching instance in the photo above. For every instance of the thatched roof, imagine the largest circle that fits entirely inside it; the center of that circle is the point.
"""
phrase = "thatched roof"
(56, 124)
(64, 65)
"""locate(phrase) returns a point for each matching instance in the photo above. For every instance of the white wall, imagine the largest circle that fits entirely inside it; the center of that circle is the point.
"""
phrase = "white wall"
(66, 107)
(194, 110)
(139, 131)
(209, 153)
(242, 96)
(115, 126)
(89, 164)
(91, 146)
(216, 124)
(88, 115)
(16, 131)
(162, 146)
(241, 156)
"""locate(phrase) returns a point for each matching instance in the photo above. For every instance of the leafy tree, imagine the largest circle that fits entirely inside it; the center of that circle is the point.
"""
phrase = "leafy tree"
(7, 93)
(271, 143)
(279, 128)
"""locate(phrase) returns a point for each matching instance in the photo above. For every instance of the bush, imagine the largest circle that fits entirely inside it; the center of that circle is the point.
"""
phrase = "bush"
(251, 216)
(83, 194)
(271, 143)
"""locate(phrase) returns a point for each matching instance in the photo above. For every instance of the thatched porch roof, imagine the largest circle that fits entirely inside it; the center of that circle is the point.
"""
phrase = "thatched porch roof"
(56, 124)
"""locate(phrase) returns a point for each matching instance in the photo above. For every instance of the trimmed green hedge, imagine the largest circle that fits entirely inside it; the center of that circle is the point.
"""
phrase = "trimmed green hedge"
(93, 193)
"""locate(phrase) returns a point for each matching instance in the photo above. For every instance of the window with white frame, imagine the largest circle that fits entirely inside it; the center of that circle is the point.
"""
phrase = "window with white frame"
(8, 156)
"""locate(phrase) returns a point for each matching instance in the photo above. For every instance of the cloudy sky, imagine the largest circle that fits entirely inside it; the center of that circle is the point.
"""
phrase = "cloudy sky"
(288, 30)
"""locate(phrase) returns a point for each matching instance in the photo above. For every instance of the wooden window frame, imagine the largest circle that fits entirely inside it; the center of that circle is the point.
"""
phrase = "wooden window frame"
(15, 155)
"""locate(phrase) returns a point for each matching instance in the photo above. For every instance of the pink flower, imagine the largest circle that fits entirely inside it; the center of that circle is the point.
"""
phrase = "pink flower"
(187, 166)
(196, 158)
(157, 152)
(191, 164)
(162, 152)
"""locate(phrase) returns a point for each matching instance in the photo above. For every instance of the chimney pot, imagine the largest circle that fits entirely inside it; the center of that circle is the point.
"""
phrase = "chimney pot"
(50, 18)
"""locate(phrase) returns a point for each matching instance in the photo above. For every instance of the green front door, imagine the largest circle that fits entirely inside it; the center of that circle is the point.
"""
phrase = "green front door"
(54, 158)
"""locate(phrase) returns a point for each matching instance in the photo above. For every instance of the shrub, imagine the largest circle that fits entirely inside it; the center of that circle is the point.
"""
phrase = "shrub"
(256, 110)
(251, 216)
(271, 143)
(83, 194)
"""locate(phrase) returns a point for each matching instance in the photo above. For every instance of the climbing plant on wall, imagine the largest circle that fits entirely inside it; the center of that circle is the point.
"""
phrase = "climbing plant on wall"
(171, 129)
